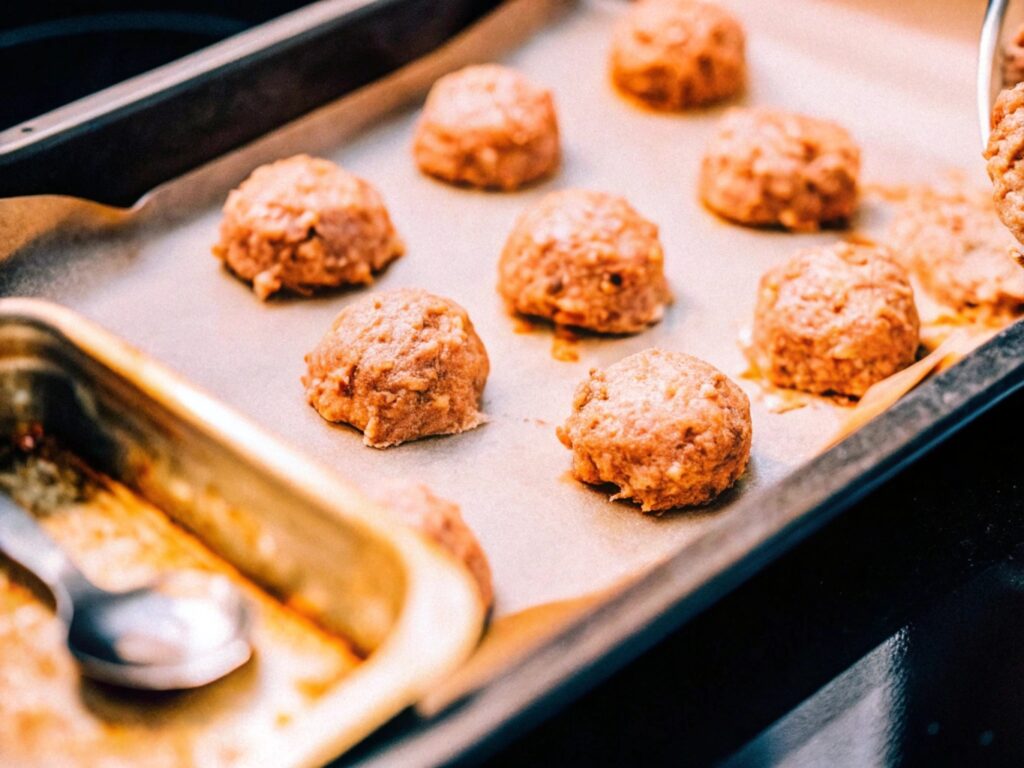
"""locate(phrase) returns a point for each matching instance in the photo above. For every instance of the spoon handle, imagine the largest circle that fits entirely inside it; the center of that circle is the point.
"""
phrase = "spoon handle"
(24, 541)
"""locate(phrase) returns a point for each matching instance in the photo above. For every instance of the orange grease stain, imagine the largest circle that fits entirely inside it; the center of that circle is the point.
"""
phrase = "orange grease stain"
(563, 345)
(522, 325)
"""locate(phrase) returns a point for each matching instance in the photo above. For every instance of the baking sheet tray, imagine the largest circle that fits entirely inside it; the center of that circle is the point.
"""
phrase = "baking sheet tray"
(154, 282)
(548, 537)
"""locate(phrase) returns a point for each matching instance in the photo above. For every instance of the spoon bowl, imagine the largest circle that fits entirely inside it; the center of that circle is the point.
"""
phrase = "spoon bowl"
(186, 630)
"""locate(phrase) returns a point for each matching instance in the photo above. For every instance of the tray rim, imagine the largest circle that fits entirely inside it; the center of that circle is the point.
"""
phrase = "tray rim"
(413, 655)
(214, 75)
(624, 625)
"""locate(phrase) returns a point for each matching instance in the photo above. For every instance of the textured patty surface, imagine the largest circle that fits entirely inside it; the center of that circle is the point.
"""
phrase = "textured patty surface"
(304, 223)
(585, 259)
(835, 319)
(1005, 158)
(668, 429)
(487, 126)
(399, 365)
(768, 167)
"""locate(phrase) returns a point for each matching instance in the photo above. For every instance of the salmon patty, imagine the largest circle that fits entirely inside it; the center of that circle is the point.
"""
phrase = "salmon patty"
(954, 244)
(441, 521)
(667, 428)
(304, 223)
(766, 167)
(585, 259)
(678, 54)
(835, 319)
(398, 366)
(489, 127)
(1005, 158)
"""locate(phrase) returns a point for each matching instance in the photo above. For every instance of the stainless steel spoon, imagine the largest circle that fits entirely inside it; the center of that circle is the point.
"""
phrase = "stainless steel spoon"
(990, 63)
(186, 630)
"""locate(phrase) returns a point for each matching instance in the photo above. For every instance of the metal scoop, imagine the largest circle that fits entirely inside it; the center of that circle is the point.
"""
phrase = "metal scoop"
(186, 630)
(990, 63)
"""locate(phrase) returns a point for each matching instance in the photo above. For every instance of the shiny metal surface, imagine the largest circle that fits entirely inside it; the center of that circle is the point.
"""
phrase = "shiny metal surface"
(173, 75)
(272, 515)
(990, 62)
(185, 631)
(24, 541)
(940, 690)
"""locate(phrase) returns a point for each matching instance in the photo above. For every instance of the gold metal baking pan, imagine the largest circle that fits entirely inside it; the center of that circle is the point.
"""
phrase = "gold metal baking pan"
(357, 616)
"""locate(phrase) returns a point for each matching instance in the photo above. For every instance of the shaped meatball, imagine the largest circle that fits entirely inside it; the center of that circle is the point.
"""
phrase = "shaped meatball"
(398, 366)
(677, 54)
(668, 429)
(585, 259)
(441, 520)
(1005, 156)
(489, 127)
(767, 167)
(304, 223)
(954, 243)
(835, 319)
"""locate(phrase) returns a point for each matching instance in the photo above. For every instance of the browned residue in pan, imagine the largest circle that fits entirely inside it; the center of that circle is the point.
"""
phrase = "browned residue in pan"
(563, 339)
(860, 238)
(49, 715)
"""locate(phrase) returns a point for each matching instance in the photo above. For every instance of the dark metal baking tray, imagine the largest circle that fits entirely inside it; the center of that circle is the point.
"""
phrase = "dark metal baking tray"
(715, 551)
(117, 145)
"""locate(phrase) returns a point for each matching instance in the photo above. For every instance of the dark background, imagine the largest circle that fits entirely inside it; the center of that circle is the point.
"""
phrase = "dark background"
(893, 637)
(54, 52)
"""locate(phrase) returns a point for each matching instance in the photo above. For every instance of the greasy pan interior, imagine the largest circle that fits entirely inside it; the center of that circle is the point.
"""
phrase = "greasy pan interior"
(295, 531)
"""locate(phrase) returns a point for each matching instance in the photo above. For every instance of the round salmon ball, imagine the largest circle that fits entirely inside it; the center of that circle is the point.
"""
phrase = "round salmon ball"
(399, 365)
(666, 428)
(1005, 156)
(953, 242)
(765, 167)
(585, 259)
(835, 319)
(487, 126)
(304, 223)
(441, 521)
(677, 54)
